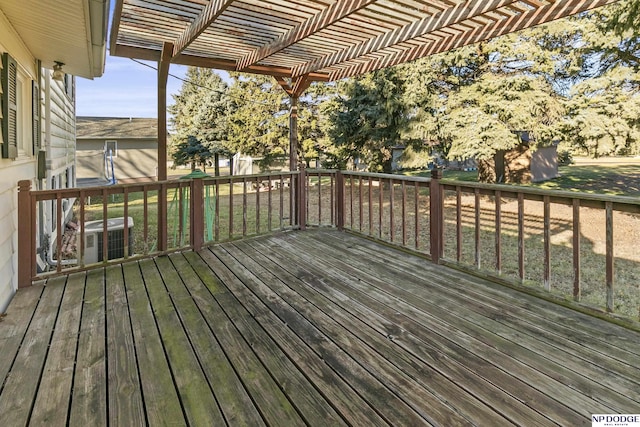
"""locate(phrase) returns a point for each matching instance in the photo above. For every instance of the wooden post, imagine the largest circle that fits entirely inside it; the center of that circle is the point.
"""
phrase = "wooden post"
(162, 217)
(294, 203)
(436, 229)
(339, 200)
(302, 197)
(26, 233)
(163, 75)
(609, 255)
(293, 133)
(196, 220)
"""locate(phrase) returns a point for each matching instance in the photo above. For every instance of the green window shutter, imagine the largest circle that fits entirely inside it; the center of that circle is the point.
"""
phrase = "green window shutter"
(37, 123)
(2, 123)
(9, 107)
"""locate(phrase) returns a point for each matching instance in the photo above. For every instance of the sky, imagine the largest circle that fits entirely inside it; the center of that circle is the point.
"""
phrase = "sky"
(126, 89)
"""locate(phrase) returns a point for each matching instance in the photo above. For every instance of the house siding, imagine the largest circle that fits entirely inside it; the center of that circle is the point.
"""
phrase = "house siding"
(12, 171)
(137, 159)
(58, 139)
(62, 144)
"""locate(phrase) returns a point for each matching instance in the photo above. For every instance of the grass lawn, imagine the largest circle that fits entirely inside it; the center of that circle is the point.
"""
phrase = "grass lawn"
(606, 178)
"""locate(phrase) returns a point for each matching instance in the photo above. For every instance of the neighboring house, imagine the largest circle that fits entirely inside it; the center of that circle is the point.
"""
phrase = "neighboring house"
(132, 143)
(38, 105)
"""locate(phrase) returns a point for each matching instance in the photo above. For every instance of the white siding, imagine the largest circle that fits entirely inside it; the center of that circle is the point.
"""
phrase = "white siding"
(12, 171)
(58, 125)
(61, 140)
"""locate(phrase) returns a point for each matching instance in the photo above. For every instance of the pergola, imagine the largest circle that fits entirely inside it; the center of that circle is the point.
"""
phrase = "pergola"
(302, 41)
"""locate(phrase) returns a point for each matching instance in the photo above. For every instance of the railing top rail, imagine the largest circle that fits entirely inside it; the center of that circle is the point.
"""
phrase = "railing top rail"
(387, 176)
(149, 185)
(315, 171)
(251, 177)
(110, 189)
(558, 194)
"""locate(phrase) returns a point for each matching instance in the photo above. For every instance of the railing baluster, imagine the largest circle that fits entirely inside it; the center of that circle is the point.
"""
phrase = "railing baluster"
(404, 213)
(59, 232)
(244, 207)
(340, 201)
(105, 233)
(181, 213)
(380, 206)
(458, 224)
(416, 207)
(231, 208)
(145, 210)
(370, 186)
(83, 199)
(282, 202)
(351, 202)
(217, 212)
(576, 250)
(360, 209)
(258, 183)
(477, 230)
(547, 243)
(125, 200)
(498, 231)
(609, 255)
(392, 230)
(319, 199)
(333, 208)
(521, 236)
(269, 207)
(162, 217)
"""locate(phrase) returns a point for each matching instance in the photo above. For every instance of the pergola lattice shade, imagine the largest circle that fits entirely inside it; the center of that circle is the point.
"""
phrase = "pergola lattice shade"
(321, 39)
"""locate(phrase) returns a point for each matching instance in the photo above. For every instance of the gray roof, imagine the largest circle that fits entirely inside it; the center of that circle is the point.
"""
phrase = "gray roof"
(116, 128)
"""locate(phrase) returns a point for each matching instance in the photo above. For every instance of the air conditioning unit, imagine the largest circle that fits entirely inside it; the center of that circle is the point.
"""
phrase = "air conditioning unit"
(94, 235)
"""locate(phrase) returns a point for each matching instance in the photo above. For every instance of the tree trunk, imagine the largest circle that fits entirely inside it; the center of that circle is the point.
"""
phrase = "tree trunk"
(216, 164)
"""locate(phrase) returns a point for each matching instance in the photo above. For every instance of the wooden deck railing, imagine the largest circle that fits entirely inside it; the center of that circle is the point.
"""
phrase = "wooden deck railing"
(151, 219)
(524, 235)
(513, 233)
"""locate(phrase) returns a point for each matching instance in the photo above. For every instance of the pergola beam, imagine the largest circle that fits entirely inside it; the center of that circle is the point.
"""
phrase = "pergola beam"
(209, 13)
(547, 13)
(318, 22)
(115, 27)
(218, 64)
(163, 75)
(460, 12)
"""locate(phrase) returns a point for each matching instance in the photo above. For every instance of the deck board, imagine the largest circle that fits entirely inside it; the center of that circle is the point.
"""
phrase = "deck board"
(584, 371)
(381, 315)
(304, 328)
(125, 397)
(22, 382)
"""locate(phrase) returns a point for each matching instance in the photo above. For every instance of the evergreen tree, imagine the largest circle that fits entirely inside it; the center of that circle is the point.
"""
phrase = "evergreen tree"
(365, 121)
(191, 151)
(201, 111)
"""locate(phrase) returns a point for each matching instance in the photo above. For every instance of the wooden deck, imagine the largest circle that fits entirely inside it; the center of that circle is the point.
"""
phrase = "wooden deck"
(304, 328)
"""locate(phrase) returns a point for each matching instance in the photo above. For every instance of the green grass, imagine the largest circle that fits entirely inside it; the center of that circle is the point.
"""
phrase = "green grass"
(614, 179)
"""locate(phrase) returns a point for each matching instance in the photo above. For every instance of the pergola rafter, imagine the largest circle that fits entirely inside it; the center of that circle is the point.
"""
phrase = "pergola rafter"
(209, 14)
(326, 40)
(460, 12)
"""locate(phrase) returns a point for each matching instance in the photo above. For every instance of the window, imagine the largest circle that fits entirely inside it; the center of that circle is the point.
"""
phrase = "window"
(111, 148)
